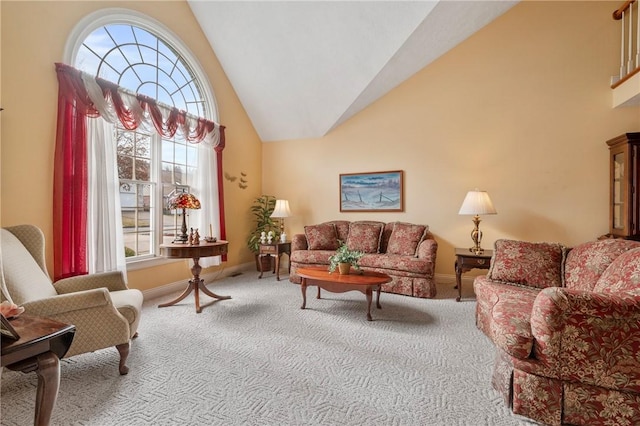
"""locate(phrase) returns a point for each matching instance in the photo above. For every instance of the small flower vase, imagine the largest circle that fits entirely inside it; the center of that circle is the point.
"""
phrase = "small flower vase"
(269, 239)
(283, 237)
(263, 237)
(344, 268)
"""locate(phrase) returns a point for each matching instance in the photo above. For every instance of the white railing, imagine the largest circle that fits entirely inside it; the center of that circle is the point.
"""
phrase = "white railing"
(630, 38)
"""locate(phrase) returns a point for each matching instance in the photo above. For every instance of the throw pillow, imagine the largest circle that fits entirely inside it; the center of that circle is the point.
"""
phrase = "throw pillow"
(537, 265)
(365, 236)
(405, 239)
(321, 237)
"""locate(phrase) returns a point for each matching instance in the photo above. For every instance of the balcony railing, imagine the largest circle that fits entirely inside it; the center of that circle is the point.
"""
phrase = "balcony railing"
(629, 16)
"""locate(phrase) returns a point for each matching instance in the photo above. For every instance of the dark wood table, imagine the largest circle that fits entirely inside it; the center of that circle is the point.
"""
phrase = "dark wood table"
(364, 282)
(276, 249)
(41, 344)
(195, 252)
(467, 260)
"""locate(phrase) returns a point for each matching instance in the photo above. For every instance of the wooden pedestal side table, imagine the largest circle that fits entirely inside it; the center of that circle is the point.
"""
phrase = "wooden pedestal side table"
(195, 252)
(41, 344)
(276, 249)
(467, 260)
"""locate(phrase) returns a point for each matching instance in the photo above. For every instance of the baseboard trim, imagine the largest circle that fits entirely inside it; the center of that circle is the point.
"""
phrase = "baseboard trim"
(451, 279)
(208, 278)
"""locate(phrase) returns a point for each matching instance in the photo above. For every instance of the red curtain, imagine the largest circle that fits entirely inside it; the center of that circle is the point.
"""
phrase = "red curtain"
(70, 170)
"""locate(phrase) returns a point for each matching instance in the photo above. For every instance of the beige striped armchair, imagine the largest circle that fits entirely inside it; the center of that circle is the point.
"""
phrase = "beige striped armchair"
(105, 312)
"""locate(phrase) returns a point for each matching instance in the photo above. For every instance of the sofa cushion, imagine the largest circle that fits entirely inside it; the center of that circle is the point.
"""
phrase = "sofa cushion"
(365, 236)
(586, 262)
(397, 263)
(534, 264)
(405, 238)
(623, 275)
(322, 237)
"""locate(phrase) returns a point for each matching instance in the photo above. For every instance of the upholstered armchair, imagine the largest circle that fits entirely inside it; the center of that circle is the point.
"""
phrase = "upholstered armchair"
(566, 326)
(105, 312)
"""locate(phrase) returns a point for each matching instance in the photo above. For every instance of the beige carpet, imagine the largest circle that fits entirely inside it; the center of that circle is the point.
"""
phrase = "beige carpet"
(258, 359)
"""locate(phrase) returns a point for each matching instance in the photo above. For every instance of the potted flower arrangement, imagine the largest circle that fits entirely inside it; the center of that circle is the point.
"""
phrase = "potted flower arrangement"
(344, 258)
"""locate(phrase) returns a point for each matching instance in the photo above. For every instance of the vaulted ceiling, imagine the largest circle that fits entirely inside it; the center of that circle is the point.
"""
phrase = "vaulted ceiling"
(301, 68)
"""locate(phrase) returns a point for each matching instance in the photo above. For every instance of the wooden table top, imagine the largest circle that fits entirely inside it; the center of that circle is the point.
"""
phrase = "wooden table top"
(188, 251)
(358, 278)
(36, 335)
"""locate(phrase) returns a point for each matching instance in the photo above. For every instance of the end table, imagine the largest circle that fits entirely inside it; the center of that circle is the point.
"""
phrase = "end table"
(467, 260)
(276, 249)
(42, 343)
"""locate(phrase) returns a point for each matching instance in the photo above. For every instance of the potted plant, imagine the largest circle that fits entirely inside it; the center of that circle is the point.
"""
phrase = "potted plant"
(344, 258)
(261, 209)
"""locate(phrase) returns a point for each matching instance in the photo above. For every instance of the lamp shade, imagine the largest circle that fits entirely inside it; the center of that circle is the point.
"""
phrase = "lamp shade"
(477, 203)
(281, 209)
(184, 200)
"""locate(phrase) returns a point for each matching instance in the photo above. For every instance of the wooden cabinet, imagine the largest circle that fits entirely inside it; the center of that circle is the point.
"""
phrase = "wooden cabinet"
(624, 200)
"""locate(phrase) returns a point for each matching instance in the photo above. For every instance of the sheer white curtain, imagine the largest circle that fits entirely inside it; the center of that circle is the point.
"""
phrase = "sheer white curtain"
(205, 188)
(105, 239)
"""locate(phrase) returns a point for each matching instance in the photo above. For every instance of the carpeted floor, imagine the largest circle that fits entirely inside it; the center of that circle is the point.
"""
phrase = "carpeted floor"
(258, 359)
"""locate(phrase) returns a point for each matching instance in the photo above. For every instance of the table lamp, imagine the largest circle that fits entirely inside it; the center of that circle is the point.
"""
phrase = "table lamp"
(477, 203)
(281, 211)
(183, 201)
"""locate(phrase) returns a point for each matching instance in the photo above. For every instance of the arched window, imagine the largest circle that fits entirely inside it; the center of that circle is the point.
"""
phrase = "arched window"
(141, 55)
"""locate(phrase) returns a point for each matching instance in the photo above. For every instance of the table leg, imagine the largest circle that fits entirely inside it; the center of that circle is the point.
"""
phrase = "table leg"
(458, 280)
(260, 264)
(209, 293)
(278, 266)
(303, 287)
(48, 373)
(378, 298)
(186, 292)
(195, 285)
(318, 295)
(369, 297)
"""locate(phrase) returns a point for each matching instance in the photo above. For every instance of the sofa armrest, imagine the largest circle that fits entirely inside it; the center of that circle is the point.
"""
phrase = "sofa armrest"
(428, 249)
(112, 281)
(588, 337)
(299, 242)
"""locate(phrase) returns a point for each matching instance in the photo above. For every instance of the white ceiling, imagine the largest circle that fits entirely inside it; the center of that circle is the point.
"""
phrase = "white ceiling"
(301, 68)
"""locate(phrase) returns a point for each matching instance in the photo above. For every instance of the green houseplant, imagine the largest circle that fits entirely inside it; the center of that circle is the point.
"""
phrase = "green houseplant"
(344, 256)
(261, 210)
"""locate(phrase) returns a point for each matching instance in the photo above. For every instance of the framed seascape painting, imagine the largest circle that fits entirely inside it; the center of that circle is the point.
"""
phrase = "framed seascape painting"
(372, 192)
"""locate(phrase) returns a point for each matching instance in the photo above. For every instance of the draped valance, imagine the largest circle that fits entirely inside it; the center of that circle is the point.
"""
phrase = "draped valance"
(92, 96)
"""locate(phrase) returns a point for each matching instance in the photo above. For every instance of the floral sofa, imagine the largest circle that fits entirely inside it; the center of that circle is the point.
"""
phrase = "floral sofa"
(566, 324)
(404, 251)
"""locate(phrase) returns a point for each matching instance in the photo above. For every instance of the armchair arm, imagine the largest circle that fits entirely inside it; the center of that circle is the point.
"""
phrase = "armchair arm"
(588, 337)
(98, 322)
(299, 242)
(113, 281)
(81, 300)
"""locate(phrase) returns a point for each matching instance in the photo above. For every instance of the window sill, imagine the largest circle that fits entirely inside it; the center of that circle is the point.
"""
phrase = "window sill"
(150, 263)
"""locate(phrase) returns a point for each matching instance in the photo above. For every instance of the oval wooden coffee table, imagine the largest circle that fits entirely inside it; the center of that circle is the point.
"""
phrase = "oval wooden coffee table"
(364, 282)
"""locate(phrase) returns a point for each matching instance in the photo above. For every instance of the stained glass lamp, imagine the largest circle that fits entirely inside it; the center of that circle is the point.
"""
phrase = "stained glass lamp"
(183, 201)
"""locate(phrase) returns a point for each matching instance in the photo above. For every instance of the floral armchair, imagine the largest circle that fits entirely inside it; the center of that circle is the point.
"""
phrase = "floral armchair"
(566, 326)
(105, 312)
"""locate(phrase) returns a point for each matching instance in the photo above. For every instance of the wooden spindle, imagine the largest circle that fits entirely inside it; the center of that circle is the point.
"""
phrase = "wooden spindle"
(622, 67)
(630, 41)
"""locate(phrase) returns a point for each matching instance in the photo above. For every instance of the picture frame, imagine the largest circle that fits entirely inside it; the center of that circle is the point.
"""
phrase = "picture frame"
(372, 191)
(6, 329)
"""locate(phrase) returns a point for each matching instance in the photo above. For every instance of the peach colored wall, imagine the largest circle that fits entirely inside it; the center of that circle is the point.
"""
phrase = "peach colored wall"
(33, 39)
(521, 109)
